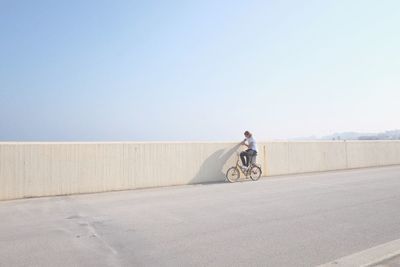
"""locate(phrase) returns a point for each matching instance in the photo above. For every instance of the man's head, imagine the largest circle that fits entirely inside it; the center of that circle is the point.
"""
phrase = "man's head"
(247, 134)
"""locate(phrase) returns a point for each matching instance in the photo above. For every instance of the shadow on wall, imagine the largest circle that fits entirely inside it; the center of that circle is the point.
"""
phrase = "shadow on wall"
(212, 169)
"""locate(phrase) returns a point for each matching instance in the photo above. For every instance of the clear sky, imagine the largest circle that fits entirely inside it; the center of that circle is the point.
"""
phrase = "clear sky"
(197, 70)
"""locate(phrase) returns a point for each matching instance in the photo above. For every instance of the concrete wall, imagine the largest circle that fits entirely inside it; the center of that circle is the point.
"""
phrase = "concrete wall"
(45, 169)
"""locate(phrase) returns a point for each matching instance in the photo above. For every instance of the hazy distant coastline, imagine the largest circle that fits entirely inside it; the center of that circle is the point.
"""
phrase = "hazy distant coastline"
(387, 135)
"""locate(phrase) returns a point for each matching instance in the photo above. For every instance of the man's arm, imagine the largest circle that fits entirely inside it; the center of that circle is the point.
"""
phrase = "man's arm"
(244, 143)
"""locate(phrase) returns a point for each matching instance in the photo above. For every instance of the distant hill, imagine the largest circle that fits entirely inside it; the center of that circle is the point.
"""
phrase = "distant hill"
(388, 135)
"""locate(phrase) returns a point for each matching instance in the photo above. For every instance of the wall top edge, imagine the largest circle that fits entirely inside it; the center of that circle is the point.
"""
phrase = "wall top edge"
(190, 142)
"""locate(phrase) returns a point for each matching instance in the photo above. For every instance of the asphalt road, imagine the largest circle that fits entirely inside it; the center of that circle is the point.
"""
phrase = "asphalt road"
(299, 220)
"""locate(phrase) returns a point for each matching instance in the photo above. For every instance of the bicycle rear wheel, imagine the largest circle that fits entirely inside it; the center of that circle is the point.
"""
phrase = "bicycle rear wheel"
(255, 173)
(233, 174)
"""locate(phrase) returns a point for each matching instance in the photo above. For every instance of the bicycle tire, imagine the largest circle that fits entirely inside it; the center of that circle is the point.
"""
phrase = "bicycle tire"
(232, 174)
(255, 173)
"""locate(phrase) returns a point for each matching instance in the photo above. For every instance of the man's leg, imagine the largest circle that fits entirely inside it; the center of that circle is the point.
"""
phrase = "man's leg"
(251, 154)
(247, 156)
(243, 157)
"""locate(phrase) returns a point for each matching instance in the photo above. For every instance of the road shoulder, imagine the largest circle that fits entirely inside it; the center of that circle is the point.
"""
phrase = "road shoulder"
(375, 256)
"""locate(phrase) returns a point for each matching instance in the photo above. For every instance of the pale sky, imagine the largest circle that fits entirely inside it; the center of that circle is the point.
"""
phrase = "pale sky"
(197, 70)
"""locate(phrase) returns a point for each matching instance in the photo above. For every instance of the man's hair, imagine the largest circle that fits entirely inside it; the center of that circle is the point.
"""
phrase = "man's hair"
(247, 133)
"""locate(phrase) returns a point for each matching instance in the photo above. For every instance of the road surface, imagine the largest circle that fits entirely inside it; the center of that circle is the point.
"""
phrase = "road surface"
(297, 220)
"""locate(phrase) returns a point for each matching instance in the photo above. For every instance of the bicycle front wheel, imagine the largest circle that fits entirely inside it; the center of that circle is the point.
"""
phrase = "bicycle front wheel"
(233, 174)
(255, 173)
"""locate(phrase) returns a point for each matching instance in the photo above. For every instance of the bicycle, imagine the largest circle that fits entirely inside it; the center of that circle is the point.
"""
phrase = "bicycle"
(253, 170)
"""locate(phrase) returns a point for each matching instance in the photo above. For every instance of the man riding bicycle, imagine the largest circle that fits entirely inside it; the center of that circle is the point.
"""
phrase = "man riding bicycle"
(250, 143)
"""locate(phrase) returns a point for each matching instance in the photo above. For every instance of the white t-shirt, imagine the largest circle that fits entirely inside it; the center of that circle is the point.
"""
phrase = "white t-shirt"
(252, 143)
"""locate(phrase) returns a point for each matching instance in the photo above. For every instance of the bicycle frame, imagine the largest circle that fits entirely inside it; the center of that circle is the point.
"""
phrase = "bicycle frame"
(240, 166)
